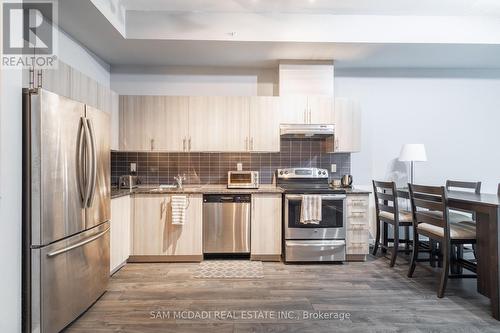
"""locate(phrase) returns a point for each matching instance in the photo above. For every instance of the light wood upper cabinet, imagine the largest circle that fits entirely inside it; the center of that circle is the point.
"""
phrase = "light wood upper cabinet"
(153, 231)
(134, 131)
(218, 123)
(320, 109)
(293, 109)
(264, 124)
(347, 126)
(266, 224)
(299, 109)
(175, 130)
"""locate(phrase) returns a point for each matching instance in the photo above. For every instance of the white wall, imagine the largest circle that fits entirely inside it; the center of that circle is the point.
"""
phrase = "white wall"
(201, 81)
(455, 113)
(11, 83)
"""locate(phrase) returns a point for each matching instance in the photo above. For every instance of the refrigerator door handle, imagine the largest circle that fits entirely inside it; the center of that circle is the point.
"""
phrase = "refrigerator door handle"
(74, 246)
(93, 162)
(80, 166)
(88, 169)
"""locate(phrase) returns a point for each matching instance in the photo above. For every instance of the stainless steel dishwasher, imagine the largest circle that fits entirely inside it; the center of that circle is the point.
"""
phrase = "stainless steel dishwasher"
(226, 224)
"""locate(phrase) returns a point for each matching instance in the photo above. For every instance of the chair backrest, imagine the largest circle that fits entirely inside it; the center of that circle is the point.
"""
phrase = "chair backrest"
(429, 205)
(460, 186)
(386, 199)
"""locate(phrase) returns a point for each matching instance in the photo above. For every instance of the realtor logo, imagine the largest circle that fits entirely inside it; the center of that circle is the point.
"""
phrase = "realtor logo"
(28, 34)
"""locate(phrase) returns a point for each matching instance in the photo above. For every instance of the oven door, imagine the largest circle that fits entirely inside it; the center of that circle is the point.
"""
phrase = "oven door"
(332, 225)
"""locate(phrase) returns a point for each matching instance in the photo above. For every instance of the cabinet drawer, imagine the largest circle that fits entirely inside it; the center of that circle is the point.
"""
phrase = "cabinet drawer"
(357, 241)
(355, 226)
(357, 202)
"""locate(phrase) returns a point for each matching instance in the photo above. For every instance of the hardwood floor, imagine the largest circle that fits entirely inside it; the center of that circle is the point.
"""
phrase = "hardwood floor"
(378, 299)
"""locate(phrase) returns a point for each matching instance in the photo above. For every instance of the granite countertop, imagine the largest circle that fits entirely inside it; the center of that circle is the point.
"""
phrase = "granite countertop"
(211, 189)
(202, 189)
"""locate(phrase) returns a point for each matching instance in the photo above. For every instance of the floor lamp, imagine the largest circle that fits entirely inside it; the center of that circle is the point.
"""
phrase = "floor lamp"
(412, 152)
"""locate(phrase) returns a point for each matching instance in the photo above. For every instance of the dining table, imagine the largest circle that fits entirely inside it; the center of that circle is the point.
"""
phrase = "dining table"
(487, 211)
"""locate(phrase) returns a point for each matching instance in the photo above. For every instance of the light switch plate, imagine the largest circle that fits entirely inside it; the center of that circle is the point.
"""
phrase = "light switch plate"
(333, 167)
(133, 167)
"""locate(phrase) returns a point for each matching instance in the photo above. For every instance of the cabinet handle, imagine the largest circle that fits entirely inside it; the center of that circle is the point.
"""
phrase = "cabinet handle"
(184, 144)
(189, 144)
(310, 116)
(305, 116)
(152, 144)
(246, 143)
(251, 143)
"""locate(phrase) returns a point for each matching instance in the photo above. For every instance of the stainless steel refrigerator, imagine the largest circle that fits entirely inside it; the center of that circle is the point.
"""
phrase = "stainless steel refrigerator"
(66, 209)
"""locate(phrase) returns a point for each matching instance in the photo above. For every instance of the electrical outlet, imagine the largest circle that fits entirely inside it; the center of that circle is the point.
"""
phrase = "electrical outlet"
(133, 167)
(333, 167)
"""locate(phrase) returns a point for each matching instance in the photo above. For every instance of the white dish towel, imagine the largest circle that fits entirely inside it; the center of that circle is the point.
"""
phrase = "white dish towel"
(310, 212)
(179, 205)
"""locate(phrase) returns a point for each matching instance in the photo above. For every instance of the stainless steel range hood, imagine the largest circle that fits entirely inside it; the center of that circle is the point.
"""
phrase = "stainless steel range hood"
(306, 130)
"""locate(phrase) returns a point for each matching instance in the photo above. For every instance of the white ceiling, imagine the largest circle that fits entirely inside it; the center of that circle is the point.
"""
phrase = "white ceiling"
(189, 45)
(335, 7)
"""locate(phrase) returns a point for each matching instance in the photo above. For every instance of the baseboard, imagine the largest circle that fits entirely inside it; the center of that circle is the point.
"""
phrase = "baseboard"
(166, 258)
(356, 257)
(265, 257)
(120, 266)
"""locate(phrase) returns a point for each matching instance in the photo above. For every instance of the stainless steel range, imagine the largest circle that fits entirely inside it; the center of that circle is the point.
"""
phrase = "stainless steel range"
(324, 241)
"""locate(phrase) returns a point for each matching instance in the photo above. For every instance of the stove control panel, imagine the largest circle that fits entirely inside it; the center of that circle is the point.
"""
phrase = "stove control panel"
(302, 173)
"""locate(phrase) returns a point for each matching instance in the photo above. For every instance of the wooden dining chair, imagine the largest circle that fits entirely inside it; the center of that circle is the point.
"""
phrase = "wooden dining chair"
(431, 219)
(388, 212)
(456, 215)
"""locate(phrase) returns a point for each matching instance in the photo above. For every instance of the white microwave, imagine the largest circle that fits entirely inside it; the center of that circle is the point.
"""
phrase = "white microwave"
(243, 179)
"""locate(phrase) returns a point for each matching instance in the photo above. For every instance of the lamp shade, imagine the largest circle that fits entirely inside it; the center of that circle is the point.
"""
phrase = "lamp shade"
(413, 152)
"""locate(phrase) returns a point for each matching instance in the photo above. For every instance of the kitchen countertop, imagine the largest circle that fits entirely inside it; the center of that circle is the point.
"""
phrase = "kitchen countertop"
(211, 189)
(191, 189)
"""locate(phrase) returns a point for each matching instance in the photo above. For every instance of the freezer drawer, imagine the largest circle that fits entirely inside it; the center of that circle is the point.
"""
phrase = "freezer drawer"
(68, 276)
(314, 250)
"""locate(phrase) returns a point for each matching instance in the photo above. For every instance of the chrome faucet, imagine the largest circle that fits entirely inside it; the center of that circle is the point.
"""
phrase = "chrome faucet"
(180, 179)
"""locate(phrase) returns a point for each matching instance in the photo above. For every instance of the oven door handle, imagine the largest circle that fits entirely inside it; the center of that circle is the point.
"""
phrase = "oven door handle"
(329, 197)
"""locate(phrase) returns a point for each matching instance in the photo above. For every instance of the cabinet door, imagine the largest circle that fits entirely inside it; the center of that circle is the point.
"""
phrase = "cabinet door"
(186, 239)
(293, 109)
(127, 211)
(149, 232)
(264, 124)
(172, 131)
(266, 224)
(218, 123)
(115, 234)
(320, 109)
(134, 134)
(347, 126)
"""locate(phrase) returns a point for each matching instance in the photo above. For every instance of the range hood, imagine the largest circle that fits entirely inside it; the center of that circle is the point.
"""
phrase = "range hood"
(306, 131)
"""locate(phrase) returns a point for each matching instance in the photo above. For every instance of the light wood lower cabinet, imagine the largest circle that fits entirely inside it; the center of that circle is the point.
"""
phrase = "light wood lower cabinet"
(120, 231)
(266, 227)
(155, 238)
(357, 227)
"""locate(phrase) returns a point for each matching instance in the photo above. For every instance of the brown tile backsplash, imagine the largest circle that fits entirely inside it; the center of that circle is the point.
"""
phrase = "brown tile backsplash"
(211, 168)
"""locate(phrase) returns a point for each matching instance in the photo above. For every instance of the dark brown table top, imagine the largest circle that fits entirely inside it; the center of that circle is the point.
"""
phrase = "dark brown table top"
(459, 196)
